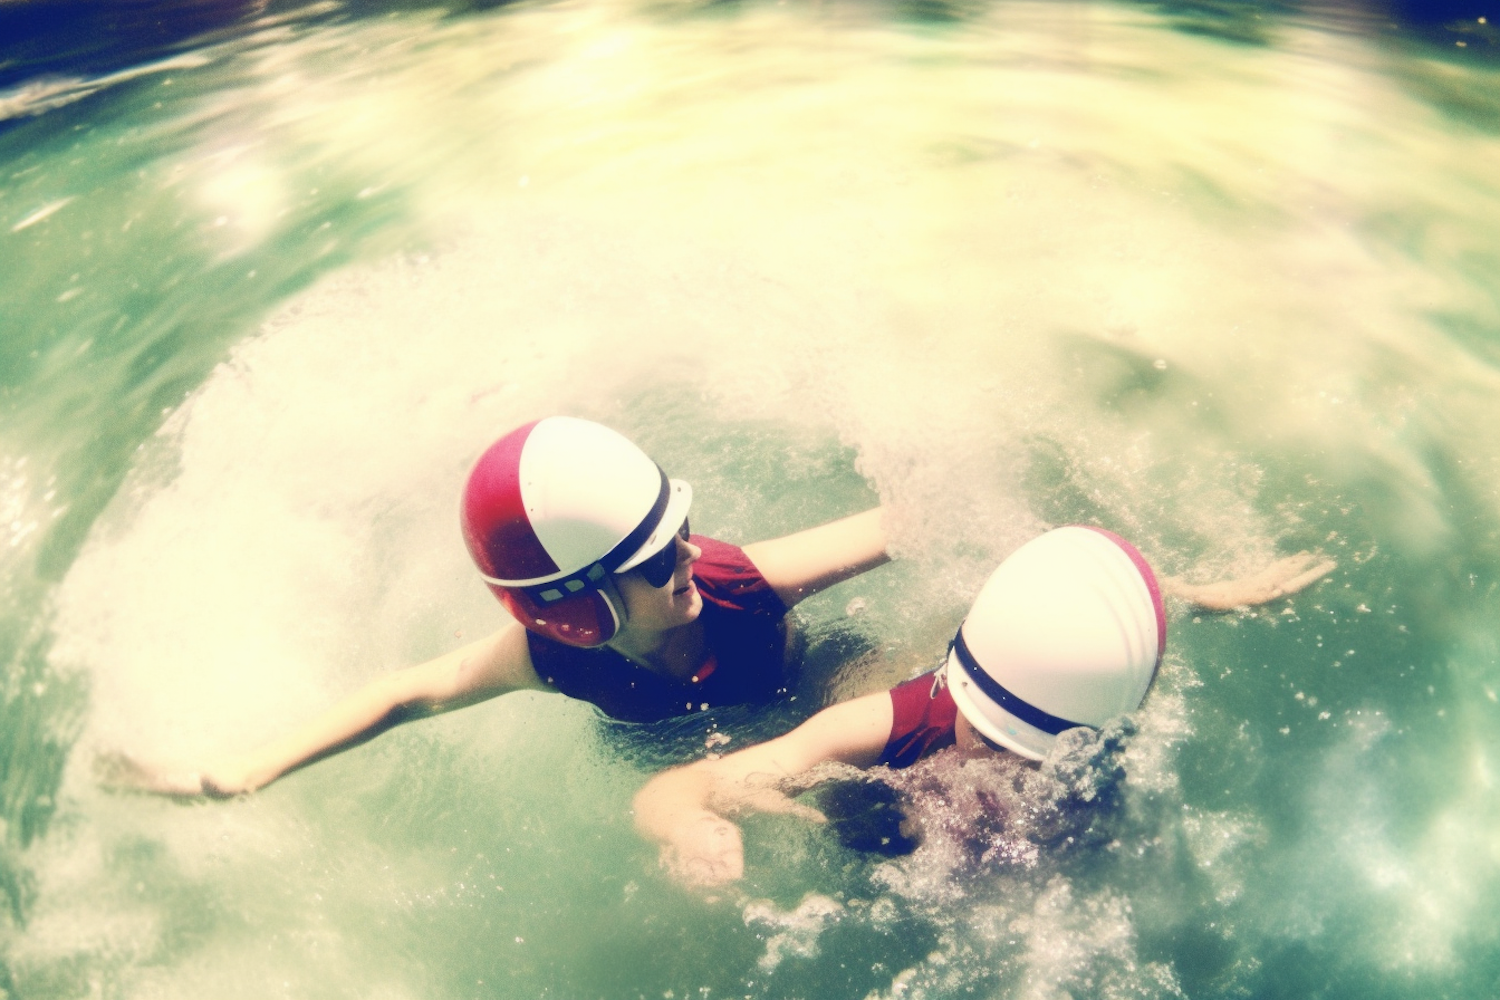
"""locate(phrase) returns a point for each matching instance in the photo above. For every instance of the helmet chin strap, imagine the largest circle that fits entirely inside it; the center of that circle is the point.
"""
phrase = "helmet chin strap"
(611, 593)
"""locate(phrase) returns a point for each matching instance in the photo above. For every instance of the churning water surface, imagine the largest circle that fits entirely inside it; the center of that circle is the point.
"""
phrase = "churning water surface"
(1220, 279)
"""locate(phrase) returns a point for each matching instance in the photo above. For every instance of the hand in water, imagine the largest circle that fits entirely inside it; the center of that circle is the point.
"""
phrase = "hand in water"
(709, 851)
(1282, 578)
(704, 853)
(764, 797)
(122, 772)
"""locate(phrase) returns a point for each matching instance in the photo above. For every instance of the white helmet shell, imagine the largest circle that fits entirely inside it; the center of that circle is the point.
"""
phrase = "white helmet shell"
(1068, 631)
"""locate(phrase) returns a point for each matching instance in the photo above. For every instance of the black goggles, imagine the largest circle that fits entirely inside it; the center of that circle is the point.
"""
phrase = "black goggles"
(658, 568)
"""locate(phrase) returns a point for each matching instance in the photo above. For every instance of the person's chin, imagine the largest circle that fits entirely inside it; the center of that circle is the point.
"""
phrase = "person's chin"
(689, 602)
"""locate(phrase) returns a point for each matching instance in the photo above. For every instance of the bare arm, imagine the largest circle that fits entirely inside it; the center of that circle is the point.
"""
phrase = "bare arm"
(684, 809)
(491, 666)
(1280, 579)
(800, 565)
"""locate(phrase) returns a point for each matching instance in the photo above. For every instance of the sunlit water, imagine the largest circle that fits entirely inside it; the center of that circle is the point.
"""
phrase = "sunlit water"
(1026, 265)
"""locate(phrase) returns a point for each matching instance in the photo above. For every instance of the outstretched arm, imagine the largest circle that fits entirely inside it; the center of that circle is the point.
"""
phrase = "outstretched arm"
(798, 566)
(686, 809)
(483, 669)
(1280, 579)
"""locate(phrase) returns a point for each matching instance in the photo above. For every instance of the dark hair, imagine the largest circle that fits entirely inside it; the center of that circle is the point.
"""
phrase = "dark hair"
(866, 815)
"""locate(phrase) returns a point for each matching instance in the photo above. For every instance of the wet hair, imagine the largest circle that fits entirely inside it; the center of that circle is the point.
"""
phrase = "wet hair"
(866, 815)
(1079, 790)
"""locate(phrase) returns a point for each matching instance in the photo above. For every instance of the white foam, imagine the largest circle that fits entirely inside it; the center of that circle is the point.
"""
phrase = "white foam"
(791, 933)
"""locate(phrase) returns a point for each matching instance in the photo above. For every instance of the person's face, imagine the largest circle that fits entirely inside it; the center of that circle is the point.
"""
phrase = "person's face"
(970, 740)
(677, 602)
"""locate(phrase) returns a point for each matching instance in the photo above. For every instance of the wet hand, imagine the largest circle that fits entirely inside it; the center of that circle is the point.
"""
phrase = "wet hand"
(1282, 578)
(124, 773)
(767, 799)
(704, 853)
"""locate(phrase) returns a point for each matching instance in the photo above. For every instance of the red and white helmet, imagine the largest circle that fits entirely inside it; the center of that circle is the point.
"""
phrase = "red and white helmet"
(557, 506)
(1069, 631)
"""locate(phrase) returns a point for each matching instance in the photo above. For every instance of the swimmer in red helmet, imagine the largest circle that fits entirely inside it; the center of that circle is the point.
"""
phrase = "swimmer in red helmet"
(586, 542)
(1067, 632)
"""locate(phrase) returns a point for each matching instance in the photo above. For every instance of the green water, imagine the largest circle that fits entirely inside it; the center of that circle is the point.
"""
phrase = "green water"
(1224, 284)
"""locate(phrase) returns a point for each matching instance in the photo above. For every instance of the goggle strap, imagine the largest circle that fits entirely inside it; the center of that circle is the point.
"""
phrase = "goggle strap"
(1012, 703)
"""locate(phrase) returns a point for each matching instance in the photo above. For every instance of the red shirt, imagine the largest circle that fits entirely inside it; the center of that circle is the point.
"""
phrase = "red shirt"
(922, 720)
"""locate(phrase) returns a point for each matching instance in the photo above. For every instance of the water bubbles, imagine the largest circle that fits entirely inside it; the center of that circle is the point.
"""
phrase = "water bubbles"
(794, 932)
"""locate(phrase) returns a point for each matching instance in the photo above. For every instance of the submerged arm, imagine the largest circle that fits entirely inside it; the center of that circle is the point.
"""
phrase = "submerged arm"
(684, 809)
(798, 566)
(492, 666)
(1280, 579)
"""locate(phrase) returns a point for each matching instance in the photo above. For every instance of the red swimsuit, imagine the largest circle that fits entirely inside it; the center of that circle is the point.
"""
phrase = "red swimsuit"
(922, 720)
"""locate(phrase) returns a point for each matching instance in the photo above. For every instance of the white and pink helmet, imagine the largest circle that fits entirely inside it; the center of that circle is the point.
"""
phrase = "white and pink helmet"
(1068, 631)
(556, 507)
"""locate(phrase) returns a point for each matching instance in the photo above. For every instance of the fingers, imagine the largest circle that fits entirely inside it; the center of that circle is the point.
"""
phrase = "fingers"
(705, 854)
(1284, 568)
(121, 772)
(113, 769)
(1282, 578)
(771, 800)
(709, 851)
(218, 789)
(806, 812)
(1309, 577)
(1287, 576)
(698, 872)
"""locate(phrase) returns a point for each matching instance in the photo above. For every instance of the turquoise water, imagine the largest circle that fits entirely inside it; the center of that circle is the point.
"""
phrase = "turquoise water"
(1221, 279)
